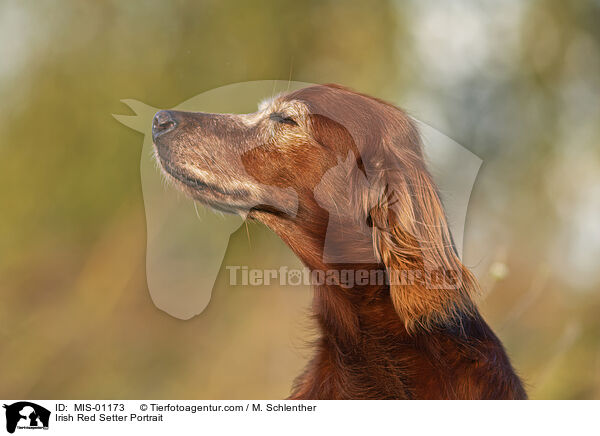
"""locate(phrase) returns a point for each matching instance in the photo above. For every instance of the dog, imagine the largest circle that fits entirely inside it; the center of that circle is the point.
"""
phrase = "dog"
(340, 177)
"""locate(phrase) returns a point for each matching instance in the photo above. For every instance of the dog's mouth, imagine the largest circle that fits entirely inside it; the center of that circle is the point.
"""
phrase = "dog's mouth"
(237, 199)
(215, 196)
(196, 183)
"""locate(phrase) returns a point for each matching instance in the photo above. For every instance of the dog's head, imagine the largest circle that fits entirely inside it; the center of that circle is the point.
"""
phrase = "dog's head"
(338, 156)
(242, 163)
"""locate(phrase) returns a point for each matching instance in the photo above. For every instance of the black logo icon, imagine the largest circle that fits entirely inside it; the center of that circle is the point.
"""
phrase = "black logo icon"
(24, 414)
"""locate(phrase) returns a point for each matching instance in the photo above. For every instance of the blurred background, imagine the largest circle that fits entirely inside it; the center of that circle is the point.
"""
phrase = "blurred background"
(516, 82)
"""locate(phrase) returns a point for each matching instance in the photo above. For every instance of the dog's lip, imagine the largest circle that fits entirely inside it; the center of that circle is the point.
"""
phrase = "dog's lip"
(216, 197)
(198, 184)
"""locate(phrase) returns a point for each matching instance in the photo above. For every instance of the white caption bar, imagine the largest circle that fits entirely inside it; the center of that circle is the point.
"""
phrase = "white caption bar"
(159, 417)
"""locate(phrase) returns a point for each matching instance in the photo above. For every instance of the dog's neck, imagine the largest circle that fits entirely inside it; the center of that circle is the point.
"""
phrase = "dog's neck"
(340, 301)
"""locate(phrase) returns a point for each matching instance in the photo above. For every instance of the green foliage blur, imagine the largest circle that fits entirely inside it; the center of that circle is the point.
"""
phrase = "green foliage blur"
(515, 82)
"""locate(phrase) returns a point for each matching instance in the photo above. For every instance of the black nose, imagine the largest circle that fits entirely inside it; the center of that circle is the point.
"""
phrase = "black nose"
(163, 122)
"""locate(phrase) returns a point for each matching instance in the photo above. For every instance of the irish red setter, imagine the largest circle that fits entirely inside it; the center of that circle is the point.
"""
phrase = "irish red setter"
(341, 178)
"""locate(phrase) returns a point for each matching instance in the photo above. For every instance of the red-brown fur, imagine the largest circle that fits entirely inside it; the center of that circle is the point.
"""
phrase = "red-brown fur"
(378, 341)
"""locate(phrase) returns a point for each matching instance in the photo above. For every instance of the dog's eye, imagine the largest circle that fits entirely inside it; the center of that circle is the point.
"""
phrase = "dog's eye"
(281, 118)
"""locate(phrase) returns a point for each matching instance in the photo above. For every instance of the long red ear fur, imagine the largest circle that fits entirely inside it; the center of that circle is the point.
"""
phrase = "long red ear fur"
(429, 285)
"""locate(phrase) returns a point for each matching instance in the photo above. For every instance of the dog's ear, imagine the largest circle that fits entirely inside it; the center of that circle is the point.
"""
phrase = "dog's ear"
(429, 285)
